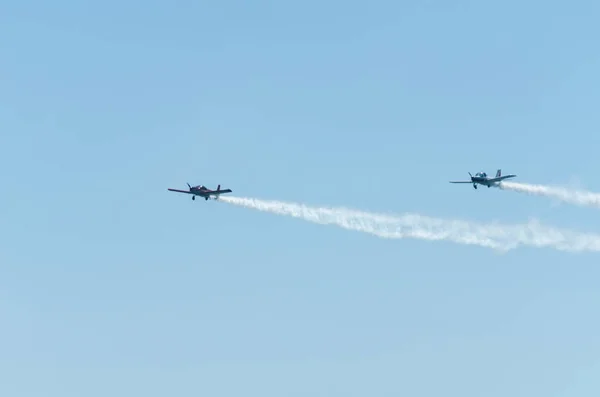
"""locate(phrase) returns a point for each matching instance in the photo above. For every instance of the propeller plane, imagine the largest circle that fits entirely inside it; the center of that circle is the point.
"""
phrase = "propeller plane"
(202, 191)
(481, 178)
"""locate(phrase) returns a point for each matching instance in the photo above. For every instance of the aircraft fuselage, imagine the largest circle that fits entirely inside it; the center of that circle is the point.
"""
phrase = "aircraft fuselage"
(482, 181)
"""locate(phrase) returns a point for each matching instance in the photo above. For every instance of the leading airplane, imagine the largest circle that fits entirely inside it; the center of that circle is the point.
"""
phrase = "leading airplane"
(482, 179)
(202, 191)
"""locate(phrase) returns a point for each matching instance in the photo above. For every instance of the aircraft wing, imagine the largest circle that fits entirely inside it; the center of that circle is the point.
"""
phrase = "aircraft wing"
(461, 181)
(180, 191)
(501, 178)
(216, 192)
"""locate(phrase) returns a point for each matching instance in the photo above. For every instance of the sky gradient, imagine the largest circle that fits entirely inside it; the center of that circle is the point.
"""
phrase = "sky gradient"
(111, 285)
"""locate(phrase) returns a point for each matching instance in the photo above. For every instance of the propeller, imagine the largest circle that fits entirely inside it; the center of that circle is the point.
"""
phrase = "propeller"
(189, 186)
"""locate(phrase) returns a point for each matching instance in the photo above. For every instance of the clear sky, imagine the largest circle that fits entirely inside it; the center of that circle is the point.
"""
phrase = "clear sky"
(111, 285)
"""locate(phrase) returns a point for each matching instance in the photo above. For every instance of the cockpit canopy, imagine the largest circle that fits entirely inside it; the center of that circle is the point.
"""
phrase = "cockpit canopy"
(481, 174)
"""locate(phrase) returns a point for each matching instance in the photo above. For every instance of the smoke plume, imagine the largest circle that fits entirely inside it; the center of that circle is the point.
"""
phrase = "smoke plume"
(500, 237)
(576, 197)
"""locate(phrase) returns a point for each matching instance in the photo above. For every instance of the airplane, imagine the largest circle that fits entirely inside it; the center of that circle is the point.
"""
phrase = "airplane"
(202, 191)
(482, 179)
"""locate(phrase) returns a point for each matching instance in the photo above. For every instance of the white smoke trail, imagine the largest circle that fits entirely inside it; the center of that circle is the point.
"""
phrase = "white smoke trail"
(495, 236)
(577, 197)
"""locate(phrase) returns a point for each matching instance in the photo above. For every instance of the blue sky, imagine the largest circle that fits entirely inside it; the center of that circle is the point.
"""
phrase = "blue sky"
(109, 284)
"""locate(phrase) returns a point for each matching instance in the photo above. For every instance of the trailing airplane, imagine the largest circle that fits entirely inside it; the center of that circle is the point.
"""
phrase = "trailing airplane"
(202, 191)
(482, 179)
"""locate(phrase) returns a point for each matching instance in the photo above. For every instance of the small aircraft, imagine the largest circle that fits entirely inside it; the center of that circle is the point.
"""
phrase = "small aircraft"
(202, 191)
(482, 179)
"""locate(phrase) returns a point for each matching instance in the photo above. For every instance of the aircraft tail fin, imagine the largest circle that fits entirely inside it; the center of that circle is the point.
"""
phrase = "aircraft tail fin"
(218, 187)
(498, 173)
